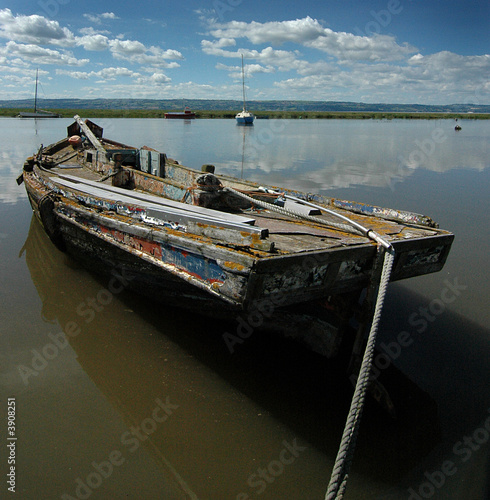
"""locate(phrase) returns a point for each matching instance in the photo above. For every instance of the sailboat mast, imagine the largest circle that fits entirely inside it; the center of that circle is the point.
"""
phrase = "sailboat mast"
(243, 85)
(35, 95)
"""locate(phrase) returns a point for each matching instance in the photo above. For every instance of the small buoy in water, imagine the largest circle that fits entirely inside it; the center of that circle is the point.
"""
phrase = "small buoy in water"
(75, 141)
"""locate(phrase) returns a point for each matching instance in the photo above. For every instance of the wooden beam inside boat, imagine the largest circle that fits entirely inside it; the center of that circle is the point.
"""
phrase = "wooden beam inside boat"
(159, 200)
(164, 213)
(90, 136)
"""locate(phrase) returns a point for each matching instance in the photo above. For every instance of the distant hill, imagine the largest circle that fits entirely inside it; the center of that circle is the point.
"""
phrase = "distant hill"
(216, 104)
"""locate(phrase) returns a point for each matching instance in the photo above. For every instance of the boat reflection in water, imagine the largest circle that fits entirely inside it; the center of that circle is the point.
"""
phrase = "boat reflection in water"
(227, 415)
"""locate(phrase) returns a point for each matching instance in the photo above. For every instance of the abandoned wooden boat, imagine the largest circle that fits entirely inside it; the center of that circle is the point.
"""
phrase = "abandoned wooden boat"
(220, 245)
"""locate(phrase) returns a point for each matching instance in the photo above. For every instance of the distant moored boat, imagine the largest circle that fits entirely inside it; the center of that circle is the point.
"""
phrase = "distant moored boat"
(38, 113)
(244, 117)
(186, 114)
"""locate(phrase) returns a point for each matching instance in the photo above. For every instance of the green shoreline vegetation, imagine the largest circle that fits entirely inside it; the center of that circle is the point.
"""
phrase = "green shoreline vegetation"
(230, 114)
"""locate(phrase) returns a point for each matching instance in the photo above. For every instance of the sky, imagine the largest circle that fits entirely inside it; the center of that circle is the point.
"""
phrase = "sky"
(387, 51)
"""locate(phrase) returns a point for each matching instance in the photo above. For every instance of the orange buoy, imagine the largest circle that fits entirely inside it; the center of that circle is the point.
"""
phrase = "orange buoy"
(75, 141)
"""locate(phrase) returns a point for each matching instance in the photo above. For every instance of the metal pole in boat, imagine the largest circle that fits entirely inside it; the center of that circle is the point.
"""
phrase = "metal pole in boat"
(369, 233)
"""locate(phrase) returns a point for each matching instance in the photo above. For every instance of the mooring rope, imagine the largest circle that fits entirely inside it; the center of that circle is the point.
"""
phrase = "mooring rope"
(292, 213)
(340, 472)
(343, 461)
(352, 227)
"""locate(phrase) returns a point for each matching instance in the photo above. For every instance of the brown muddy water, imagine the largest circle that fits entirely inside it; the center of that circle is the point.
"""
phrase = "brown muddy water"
(146, 402)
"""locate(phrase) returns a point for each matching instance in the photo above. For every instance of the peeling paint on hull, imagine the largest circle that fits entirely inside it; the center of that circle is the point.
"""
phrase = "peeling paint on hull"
(238, 280)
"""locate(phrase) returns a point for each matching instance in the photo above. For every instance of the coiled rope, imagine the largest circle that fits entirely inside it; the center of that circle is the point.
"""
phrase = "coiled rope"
(340, 472)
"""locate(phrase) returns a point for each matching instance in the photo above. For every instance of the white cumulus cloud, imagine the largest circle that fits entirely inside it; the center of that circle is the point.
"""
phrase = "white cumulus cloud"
(41, 55)
(310, 33)
(99, 18)
(34, 29)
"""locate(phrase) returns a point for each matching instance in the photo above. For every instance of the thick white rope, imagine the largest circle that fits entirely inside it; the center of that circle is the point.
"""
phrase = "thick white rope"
(340, 472)
(352, 227)
(292, 213)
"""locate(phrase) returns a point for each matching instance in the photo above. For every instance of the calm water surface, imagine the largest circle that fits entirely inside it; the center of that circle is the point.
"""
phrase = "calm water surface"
(147, 402)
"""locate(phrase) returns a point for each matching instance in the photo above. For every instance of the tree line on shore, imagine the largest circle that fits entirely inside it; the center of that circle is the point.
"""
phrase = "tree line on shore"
(230, 114)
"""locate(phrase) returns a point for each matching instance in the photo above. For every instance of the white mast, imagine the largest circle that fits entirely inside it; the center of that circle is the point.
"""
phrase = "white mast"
(35, 95)
(243, 85)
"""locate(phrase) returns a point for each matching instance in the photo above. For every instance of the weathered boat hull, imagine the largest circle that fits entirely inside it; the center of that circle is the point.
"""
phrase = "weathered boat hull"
(213, 260)
(263, 296)
(313, 323)
(281, 279)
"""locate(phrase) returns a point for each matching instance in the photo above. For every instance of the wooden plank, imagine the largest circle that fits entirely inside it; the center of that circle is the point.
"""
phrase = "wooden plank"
(90, 135)
(162, 212)
(159, 200)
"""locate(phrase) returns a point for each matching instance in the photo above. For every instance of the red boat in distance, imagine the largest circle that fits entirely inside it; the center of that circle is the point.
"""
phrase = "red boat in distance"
(186, 114)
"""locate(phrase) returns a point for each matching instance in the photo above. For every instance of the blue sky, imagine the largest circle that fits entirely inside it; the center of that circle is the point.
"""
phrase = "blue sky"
(391, 51)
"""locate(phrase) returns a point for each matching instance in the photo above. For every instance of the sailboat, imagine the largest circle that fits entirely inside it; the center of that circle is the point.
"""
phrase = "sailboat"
(244, 117)
(38, 113)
